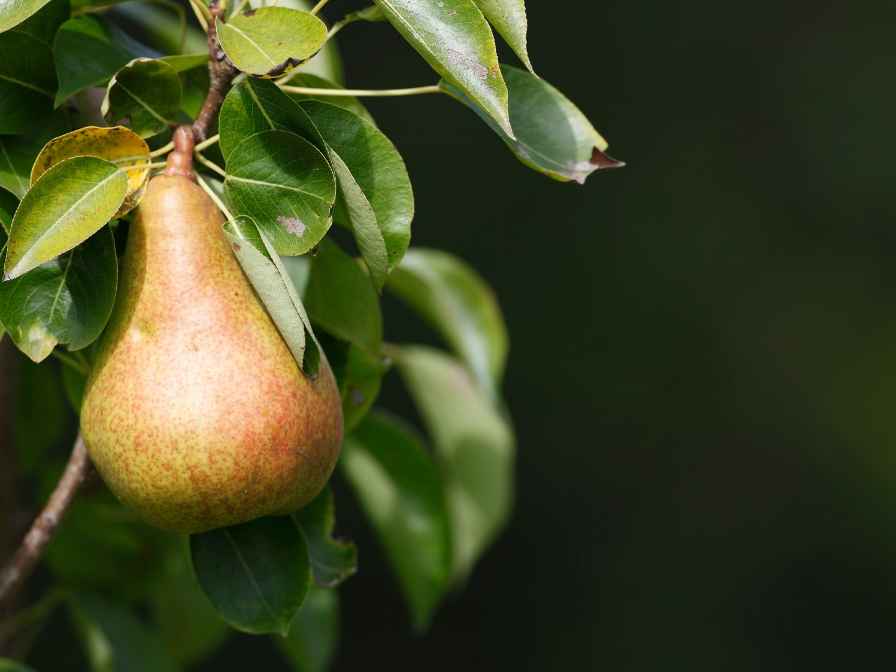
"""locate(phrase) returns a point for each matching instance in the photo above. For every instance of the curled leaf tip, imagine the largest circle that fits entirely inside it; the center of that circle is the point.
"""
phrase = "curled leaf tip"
(605, 161)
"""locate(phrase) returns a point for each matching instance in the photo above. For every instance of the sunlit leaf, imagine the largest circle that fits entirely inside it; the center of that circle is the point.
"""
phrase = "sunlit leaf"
(456, 40)
(68, 204)
(509, 19)
(117, 144)
(44, 24)
(13, 12)
(271, 40)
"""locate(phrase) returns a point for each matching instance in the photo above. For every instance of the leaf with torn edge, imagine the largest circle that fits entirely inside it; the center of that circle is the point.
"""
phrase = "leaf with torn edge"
(332, 560)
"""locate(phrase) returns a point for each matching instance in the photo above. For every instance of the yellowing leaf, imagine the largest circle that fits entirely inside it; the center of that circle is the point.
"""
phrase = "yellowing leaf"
(118, 145)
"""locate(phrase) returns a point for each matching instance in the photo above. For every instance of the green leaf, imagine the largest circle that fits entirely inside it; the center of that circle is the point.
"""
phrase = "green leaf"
(17, 153)
(457, 42)
(327, 62)
(400, 490)
(271, 40)
(309, 81)
(457, 302)
(118, 145)
(272, 284)
(8, 205)
(552, 135)
(474, 443)
(341, 299)
(332, 561)
(27, 81)
(360, 375)
(380, 223)
(186, 62)
(256, 574)
(146, 93)
(75, 384)
(285, 185)
(314, 633)
(67, 300)
(13, 12)
(509, 19)
(44, 24)
(115, 640)
(257, 105)
(68, 204)
(375, 168)
(7, 665)
(182, 615)
(41, 423)
(85, 56)
(98, 526)
(194, 84)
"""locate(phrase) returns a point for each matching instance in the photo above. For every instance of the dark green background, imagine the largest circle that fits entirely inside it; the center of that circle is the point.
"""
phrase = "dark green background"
(702, 371)
(704, 346)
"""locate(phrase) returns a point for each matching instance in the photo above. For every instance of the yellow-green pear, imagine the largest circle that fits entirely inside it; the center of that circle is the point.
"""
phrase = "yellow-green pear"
(196, 413)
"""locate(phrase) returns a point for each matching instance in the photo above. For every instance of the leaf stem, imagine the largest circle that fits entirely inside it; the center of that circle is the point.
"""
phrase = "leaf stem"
(319, 6)
(205, 144)
(161, 151)
(360, 93)
(211, 193)
(200, 14)
(239, 7)
(211, 165)
(44, 526)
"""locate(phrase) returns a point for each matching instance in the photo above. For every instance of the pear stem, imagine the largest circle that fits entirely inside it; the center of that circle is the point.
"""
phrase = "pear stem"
(32, 548)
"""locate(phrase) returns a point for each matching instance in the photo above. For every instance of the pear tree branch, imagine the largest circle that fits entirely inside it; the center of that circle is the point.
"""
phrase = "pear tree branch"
(221, 75)
(32, 548)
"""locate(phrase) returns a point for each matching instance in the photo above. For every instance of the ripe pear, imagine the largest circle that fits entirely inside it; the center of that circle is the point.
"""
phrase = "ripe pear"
(195, 413)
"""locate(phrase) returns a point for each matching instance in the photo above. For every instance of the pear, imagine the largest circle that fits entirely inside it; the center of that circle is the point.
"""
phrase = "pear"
(196, 414)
